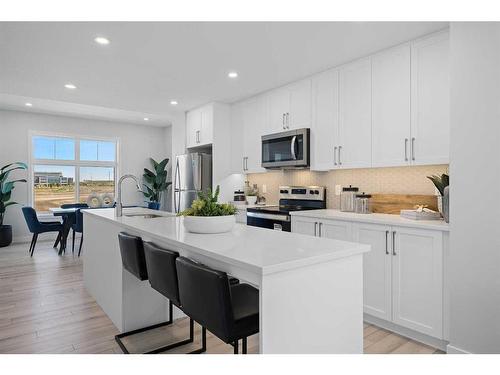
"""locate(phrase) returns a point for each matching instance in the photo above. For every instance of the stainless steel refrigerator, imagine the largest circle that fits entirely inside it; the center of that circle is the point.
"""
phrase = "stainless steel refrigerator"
(193, 173)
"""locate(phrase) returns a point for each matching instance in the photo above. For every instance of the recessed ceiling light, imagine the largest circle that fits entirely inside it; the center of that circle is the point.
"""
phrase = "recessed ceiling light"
(232, 75)
(101, 40)
(146, 118)
(174, 102)
(28, 104)
(70, 86)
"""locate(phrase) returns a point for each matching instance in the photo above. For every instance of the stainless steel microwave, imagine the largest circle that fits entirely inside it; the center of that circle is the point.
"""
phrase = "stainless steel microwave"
(288, 149)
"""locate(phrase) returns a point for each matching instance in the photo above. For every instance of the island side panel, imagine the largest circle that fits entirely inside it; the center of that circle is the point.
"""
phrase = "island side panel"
(128, 302)
(314, 309)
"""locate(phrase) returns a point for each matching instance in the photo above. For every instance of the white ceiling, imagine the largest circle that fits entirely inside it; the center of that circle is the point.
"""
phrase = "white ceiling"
(148, 64)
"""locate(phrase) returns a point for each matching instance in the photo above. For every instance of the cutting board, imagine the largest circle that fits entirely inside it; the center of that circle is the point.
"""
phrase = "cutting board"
(394, 203)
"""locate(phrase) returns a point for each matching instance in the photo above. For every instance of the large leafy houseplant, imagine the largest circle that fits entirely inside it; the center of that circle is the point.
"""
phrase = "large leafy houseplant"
(155, 181)
(6, 187)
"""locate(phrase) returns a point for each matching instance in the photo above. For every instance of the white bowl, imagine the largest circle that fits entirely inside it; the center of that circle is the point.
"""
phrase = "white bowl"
(209, 224)
(251, 199)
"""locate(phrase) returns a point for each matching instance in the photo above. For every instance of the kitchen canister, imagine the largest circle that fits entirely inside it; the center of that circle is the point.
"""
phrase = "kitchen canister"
(362, 203)
(347, 197)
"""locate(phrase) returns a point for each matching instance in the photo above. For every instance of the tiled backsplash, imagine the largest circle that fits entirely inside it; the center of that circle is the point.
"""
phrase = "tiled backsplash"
(397, 180)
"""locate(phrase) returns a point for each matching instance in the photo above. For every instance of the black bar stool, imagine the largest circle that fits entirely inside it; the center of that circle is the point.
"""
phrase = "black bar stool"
(230, 312)
(134, 261)
(162, 274)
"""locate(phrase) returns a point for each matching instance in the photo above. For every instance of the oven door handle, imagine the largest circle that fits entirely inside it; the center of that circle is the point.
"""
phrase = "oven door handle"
(259, 215)
(292, 147)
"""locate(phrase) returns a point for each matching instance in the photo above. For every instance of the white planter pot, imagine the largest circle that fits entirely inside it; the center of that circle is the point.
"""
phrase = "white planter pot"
(209, 224)
(251, 199)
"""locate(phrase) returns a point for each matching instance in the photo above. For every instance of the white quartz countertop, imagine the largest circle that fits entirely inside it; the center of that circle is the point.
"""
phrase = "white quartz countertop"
(374, 218)
(257, 249)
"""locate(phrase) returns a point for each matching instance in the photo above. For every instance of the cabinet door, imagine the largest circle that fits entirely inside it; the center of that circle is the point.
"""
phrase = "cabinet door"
(376, 269)
(237, 138)
(206, 125)
(336, 230)
(254, 120)
(430, 100)
(299, 114)
(391, 107)
(325, 113)
(355, 136)
(304, 225)
(193, 126)
(278, 105)
(417, 280)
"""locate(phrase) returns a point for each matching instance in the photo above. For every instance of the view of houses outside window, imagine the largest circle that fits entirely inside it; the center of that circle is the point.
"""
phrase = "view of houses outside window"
(68, 170)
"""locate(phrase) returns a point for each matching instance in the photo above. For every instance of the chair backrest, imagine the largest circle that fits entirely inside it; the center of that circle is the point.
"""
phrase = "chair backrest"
(74, 205)
(31, 219)
(162, 271)
(205, 296)
(132, 252)
(78, 221)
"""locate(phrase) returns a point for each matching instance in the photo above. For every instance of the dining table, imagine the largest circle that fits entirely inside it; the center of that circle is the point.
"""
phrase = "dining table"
(68, 216)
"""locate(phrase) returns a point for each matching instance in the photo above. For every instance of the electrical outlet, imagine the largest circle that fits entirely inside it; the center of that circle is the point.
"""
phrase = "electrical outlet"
(338, 189)
(264, 189)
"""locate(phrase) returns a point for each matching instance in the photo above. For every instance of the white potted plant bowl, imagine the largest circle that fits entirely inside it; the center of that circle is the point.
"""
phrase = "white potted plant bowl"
(209, 224)
(251, 199)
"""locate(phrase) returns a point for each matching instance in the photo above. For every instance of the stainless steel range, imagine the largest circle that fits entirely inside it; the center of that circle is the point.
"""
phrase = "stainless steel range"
(292, 198)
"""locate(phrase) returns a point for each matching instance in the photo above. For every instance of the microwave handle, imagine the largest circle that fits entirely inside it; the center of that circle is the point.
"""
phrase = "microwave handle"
(292, 147)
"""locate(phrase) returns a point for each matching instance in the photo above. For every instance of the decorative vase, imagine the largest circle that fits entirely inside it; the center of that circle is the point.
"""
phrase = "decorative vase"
(154, 205)
(209, 224)
(446, 204)
(251, 199)
(5, 235)
(440, 204)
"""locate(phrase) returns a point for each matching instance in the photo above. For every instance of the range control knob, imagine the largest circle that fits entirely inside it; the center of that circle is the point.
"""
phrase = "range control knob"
(316, 191)
(311, 191)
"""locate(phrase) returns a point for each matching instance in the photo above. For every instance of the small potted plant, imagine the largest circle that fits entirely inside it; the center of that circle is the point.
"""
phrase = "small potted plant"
(207, 216)
(6, 188)
(441, 183)
(251, 197)
(155, 183)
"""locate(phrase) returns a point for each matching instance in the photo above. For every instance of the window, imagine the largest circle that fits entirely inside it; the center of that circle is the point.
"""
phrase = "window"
(69, 169)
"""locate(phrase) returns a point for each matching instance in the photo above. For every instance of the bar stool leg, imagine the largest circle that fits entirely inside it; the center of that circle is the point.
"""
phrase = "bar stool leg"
(244, 346)
(236, 346)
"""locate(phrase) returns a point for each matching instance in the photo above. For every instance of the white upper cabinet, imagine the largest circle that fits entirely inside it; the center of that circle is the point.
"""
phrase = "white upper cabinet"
(430, 100)
(355, 135)
(199, 126)
(325, 120)
(289, 107)
(391, 107)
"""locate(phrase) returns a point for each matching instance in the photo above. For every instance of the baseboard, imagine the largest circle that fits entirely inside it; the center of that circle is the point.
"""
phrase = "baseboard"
(406, 332)
(450, 349)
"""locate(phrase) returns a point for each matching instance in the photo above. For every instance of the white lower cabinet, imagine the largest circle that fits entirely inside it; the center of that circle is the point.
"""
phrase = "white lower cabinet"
(334, 229)
(403, 276)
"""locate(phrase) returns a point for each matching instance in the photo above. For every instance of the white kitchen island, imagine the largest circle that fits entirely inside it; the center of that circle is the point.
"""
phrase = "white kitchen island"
(311, 289)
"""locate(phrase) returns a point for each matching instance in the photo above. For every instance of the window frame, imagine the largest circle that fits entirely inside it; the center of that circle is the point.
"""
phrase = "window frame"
(76, 163)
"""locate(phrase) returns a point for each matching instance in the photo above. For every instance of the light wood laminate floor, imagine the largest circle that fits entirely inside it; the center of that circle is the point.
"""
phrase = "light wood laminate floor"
(44, 308)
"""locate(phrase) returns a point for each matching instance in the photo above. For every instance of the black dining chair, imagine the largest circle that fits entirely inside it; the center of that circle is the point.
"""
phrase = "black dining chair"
(78, 228)
(230, 312)
(36, 227)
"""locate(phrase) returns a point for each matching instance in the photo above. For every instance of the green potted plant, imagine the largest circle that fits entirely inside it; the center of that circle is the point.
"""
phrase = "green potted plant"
(6, 188)
(442, 185)
(155, 183)
(207, 216)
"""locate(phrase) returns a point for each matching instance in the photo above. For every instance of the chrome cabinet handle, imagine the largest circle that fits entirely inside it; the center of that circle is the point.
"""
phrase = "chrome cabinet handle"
(386, 242)
(283, 121)
(406, 149)
(413, 148)
(320, 224)
(340, 162)
(243, 163)
(315, 228)
(335, 155)
(288, 120)
(246, 163)
(394, 243)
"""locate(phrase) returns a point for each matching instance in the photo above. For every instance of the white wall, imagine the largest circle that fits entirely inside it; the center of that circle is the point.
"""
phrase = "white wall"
(475, 180)
(137, 144)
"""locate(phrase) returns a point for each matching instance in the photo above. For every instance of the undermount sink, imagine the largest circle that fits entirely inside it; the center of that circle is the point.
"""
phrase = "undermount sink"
(145, 216)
